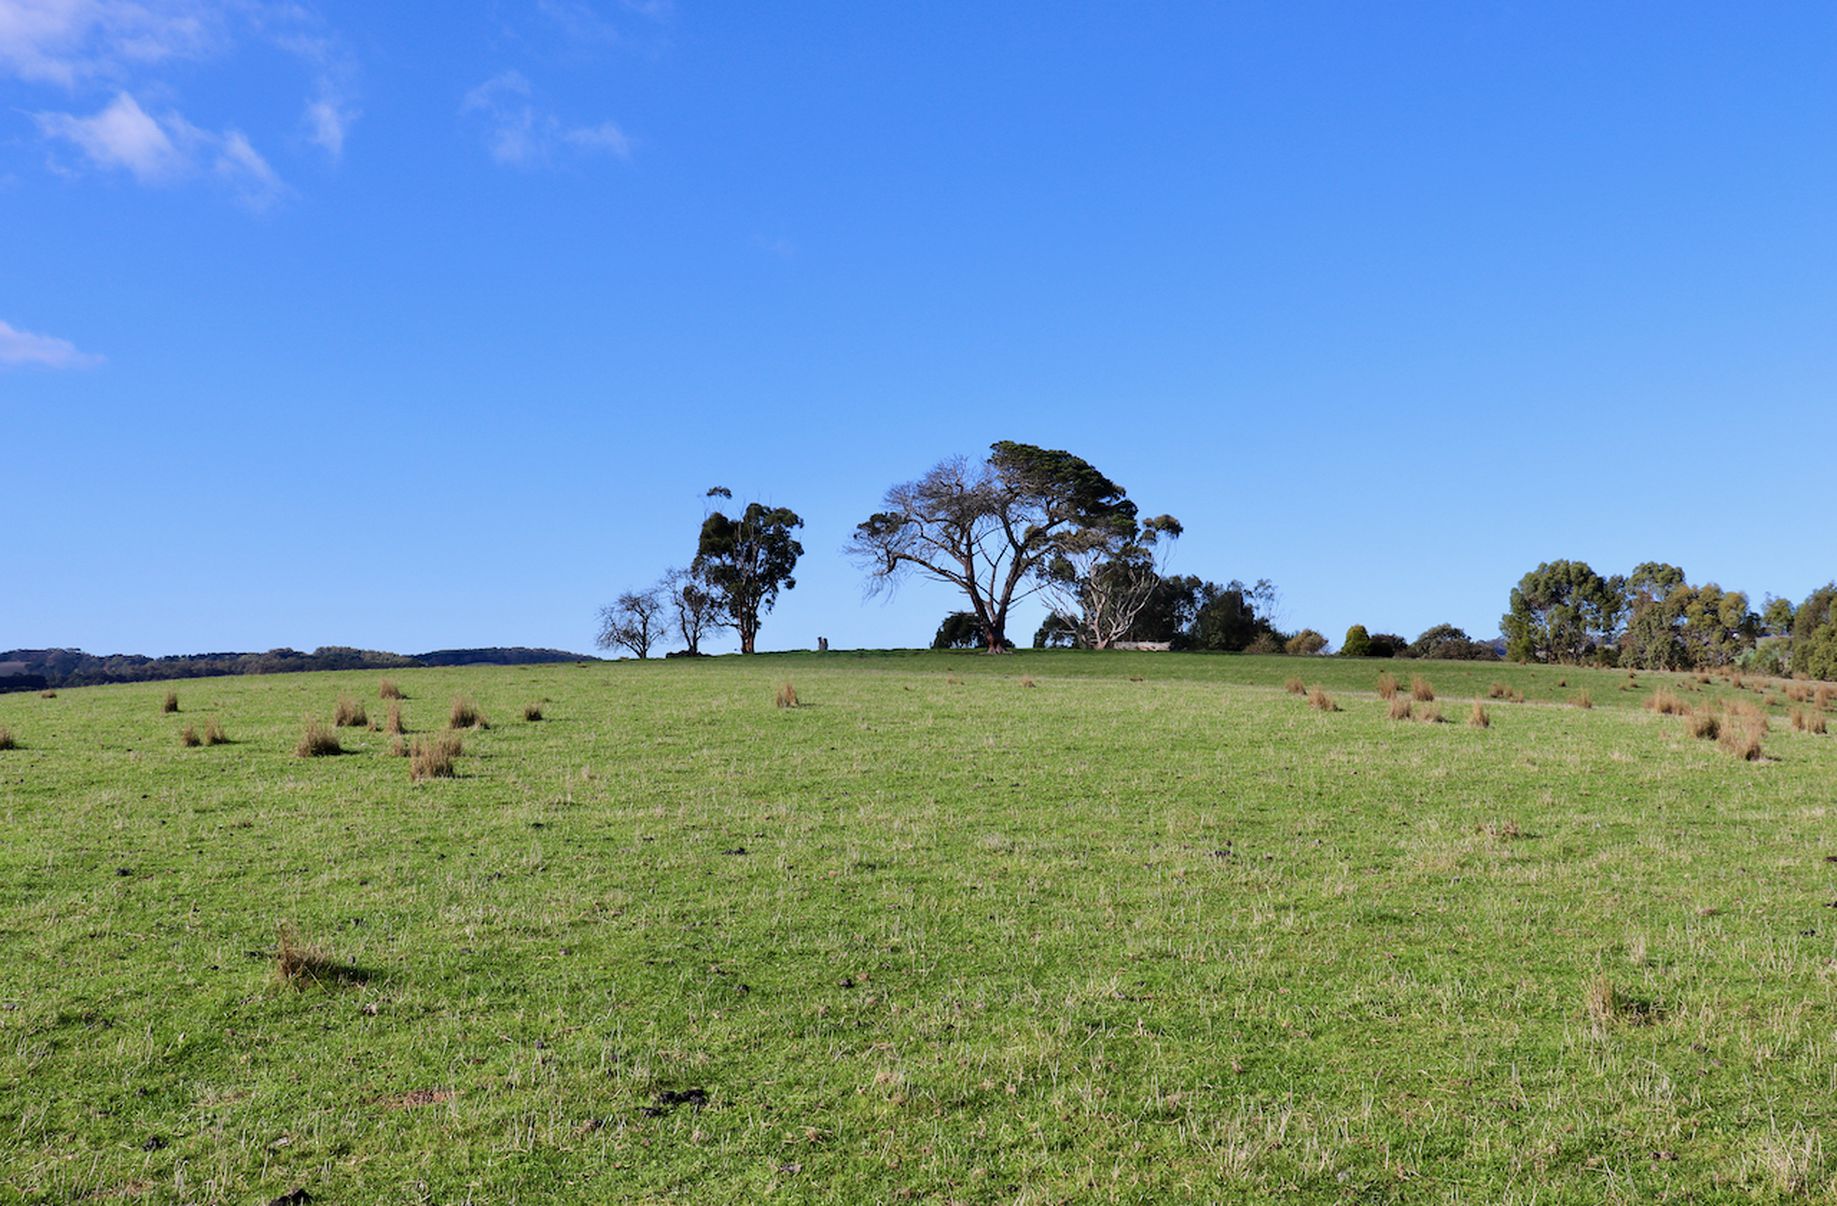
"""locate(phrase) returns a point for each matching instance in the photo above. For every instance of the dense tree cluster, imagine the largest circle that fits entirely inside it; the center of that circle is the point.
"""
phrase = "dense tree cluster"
(33, 669)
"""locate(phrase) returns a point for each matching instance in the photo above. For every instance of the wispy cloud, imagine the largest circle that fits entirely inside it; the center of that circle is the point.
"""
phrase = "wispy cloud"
(164, 149)
(24, 348)
(69, 41)
(518, 134)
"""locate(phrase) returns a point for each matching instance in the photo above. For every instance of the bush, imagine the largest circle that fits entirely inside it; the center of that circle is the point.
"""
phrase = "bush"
(1389, 644)
(1266, 643)
(1357, 642)
(1305, 643)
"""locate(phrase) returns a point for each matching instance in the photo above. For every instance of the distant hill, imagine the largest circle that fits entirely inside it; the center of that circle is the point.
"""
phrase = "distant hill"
(39, 669)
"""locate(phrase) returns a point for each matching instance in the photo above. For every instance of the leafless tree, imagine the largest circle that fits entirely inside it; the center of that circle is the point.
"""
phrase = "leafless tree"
(636, 621)
(694, 608)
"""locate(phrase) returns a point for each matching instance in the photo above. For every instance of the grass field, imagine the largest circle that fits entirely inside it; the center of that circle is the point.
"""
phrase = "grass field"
(1150, 928)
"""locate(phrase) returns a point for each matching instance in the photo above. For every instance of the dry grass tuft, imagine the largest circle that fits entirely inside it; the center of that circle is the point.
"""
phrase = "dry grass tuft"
(1562, 683)
(1822, 697)
(214, 734)
(298, 963)
(1736, 681)
(398, 748)
(1387, 685)
(1583, 700)
(1320, 701)
(465, 715)
(1420, 690)
(1503, 830)
(47, 694)
(171, 703)
(1295, 686)
(317, 741)
(392, 723)
(1666, 704)
(1478, 717)
(1601, 1001)
(1798, 720)
(1429, 714)
(1814, 724)
(1400, 708)
(434, 758)
(349, 714)
(188, 737)
(787, 696)
(7, 740)
(532, 712)
(1027, 681)
(1704, 726)
(1498, 691)
(388, 690)
(1743, 741)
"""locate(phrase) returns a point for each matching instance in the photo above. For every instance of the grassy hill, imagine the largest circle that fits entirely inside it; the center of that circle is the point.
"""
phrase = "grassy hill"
(1151, 927)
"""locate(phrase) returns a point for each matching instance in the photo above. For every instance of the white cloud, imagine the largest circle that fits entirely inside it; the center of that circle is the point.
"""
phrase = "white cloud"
(165, 149)
(69, 41)
(519, 135)
(42, 351)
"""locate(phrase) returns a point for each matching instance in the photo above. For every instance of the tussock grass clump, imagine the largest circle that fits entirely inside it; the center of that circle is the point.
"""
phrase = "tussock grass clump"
(1295, 686)
(532, 712)
(1400, 708)
(298, 963)
(1743, 741)
(434, 758)
(1420, 690)
(388, 690)
(787, 696)
(1601, 1001)
(1504, 830)
(1429, 714)
(1737, 682)
(349, 714)
(1387, 685)
(171, 703)
(398, 748)
(1517, 697)
(317, 741)
(1797, 693)
(188, 737)
(392, 723)
(1814, 724)
(1583, 700)
(214, 734)
(1320, 701)
(7, 740)
(1498, 691)
(464, 714)
(1666, 704)
(1027, 681)
(1703, 680)
(1704, 725)
(47, 694)
(1822, 697)
(1562, 684)
(1478, 717)
(1798, 720)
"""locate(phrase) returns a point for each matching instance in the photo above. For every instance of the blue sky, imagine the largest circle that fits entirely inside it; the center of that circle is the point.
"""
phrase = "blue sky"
(415, 326)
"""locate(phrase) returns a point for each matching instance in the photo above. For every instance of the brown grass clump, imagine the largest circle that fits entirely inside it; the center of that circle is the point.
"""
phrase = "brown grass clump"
(349, 714)
(1814, 724)
(1736, 681)
(398, 748)
(1400, 708)
(388, 690)
(47, 694)
(1797, 693)
(1517, 697)
(1704, 726)
(1703, 680)
(465, 715)
(172, 702)
(1027, 681)
(1498, 691)
(1583, 700)
(1666, 704)
(317, 741)
(1822, 697)
(1429, 714)
(1320, 701)
(434, 758)
(787, 696)
(1420, 690)
(392, 723)
(532, 712)
(1295, 686)
(1798, 720)
(1387, 685)
(298, 963)
(7, 740)
(1601, 1001)
(189, 738)
(1743, 741)
(1478, 717)
(214, 734)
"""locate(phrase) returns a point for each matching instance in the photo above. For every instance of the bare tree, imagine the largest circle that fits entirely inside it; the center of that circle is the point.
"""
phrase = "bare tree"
(636, 621)
(987, 527)
(1102, 578)
(694, 607)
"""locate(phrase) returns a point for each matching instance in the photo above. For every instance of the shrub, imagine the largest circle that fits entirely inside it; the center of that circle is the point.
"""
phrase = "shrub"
(172, 702)
(465, 715)
(1295, 686)
(349, 714)
(188, 737)
(1583, 700)
(1320, 701)
(787, 696)
(1400, 708)
(393, 722)
(7, 741)
(317, 741)
(1357, 642)
(214, 734)
(388, 690)
(532, 712)
(1420, 690)
(433, 758)
(1265, 643)
(1305, 643)
(1478, 717)
(1387, 686)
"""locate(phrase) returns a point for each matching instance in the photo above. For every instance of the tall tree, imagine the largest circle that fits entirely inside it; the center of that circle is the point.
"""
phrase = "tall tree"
(1105, 576)
(635, 622)
(1562, 611)
(746, 561)
(989, 527)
